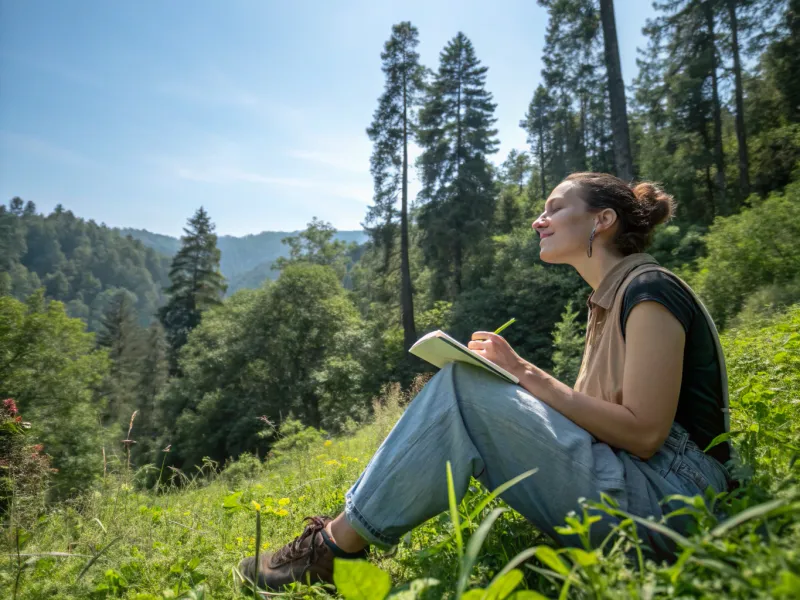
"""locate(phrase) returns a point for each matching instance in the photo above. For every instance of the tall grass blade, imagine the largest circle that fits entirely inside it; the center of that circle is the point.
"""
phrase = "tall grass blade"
(451, 498)
(96, 556)
(473, 547)
(753, 512)
(258, 546)
(499, 490)
(474, 514)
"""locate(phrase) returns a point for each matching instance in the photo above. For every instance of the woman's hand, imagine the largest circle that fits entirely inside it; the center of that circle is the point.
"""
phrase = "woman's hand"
(496, 349)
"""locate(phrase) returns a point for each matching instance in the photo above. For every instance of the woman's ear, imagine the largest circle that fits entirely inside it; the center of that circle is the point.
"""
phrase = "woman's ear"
(605, 219)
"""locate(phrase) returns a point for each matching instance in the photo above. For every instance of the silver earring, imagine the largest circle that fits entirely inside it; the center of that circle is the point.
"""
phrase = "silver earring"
(591, 239)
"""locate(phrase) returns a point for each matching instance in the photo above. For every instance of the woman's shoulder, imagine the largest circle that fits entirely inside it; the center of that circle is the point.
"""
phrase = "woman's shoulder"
(662, 286)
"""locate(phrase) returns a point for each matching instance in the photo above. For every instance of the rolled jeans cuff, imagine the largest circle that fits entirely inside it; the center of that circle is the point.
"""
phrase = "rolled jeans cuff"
(357, 521)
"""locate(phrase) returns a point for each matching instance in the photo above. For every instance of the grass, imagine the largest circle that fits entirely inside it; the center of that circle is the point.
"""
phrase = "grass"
(183, 540)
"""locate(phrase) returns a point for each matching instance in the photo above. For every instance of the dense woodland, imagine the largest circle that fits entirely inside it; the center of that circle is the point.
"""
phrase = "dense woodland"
(96, 327)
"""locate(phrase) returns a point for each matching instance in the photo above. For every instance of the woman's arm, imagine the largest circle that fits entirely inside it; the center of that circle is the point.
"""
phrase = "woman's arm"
(650, 389)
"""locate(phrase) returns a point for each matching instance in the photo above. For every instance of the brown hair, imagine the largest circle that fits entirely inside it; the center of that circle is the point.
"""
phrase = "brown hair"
(639, 208)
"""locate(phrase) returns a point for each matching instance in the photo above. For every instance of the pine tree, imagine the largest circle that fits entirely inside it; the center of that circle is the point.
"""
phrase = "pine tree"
(196, 283)
(456, 134)
(616, 93)
(120, 335)
(575, 78)
(686, 54)
(152, 376)
(538, 123)
(392, 124)
(568, 342)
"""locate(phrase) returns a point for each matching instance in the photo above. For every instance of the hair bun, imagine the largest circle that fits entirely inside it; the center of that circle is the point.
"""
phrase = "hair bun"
(656, 204)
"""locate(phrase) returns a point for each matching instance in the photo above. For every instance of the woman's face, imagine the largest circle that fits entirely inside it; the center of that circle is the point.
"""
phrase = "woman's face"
(565, 225)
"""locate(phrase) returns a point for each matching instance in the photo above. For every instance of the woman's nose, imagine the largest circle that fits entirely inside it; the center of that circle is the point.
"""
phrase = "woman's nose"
(539, 223)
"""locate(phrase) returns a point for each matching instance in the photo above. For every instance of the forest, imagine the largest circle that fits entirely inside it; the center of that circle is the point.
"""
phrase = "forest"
(141, 390)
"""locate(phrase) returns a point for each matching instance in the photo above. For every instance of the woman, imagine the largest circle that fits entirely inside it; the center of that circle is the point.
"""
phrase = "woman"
(652, 391)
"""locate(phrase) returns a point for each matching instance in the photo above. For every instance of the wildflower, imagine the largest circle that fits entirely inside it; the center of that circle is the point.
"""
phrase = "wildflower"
(255, 505)
(282, 512)
(301, 499)
(332, 463)
(321, 456)
(328, 443)
(9, 405)
(265, 545)
(283, 501)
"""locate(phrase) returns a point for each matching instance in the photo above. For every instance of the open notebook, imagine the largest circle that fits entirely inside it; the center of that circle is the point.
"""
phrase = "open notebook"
(438, 348)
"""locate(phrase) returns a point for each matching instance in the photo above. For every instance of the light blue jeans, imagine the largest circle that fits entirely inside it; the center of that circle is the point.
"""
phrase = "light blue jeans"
(494, 430)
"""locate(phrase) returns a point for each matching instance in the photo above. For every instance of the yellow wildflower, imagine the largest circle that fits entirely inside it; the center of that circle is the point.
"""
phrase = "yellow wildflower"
(302, 499)
(328, 443)
(255, 505)
(283, 501)
(332, 463)
(282, 512)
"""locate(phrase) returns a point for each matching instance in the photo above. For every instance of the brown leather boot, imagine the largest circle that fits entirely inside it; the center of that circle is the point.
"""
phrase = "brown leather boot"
(308, 558)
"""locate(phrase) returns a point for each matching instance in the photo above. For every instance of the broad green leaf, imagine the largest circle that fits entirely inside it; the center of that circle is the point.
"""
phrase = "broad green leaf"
(582, 557)
(231, 502)
(503, 586)
(476, 594)
(360, 580)
(549, 557)
(526, 595)
(414, 589)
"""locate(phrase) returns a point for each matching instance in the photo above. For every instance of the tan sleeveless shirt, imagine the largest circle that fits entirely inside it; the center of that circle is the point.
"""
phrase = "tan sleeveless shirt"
(602, 367)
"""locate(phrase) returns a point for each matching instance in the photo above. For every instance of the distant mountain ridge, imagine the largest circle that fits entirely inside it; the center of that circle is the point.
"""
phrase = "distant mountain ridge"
(246, 261)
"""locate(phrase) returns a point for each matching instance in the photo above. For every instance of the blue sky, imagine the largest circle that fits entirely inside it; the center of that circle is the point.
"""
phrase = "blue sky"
(136, 113)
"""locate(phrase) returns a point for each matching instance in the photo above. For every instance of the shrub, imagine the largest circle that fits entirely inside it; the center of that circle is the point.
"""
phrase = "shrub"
(24, 469)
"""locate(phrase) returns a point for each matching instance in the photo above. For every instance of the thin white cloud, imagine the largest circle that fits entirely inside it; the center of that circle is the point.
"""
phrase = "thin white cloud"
(20, 142)
(232, 175)
(229, 175)
(342, 162)
(211, 87)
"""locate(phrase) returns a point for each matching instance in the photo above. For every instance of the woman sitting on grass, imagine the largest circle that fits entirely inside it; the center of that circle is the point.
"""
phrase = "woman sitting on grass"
(652, 391)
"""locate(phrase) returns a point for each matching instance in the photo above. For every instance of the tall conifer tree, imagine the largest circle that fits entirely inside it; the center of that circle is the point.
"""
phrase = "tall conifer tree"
(196, 282)
(456, 134)
(392, 125)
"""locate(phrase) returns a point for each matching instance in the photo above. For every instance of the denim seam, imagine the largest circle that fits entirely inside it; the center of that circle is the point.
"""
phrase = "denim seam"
(352, 509)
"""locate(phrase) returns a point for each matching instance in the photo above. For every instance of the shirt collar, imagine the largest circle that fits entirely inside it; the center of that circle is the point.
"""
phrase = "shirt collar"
(604, 295)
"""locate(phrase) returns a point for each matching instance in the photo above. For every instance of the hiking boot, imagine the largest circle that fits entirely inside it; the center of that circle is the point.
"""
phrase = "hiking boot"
(308, 559)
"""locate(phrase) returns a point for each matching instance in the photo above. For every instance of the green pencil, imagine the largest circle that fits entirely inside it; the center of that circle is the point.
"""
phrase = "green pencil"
(504, 325)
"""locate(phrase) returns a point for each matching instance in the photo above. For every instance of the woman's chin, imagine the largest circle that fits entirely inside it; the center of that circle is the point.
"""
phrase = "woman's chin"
(547, 255)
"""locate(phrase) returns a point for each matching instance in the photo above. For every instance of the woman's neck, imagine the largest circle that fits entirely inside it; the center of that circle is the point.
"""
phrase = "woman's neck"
(594, 269)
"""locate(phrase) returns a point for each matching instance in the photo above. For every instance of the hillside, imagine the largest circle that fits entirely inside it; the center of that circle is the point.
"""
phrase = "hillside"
(191, 534)
(77, 261)
(246, 261)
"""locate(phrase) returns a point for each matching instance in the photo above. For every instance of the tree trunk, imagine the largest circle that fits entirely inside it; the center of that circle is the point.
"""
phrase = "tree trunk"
(616, 93)
(457, 266)
(542, 181)
(741, 133)
(406, 295)
(719, 158)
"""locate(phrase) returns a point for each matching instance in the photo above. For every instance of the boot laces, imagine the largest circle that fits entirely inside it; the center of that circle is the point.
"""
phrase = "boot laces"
(294, 550)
